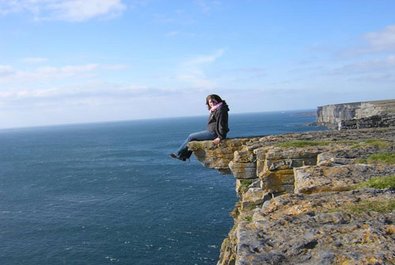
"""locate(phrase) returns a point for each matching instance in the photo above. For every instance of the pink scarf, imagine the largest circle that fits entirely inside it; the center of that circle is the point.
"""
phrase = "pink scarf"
(215, 107)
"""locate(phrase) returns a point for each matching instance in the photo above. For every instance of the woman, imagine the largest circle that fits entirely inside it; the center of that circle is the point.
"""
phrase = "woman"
(217, 127)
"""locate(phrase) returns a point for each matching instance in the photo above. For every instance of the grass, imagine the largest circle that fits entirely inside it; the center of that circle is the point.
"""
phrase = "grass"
(248, 218)
(378, 143)
(303, 143)
(244, 183)
(372, 142)
(387, 182)
(379, 206)
(384, 158)
(379, 158)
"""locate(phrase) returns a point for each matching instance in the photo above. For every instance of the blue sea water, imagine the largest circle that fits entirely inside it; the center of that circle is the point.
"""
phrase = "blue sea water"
(109, 193)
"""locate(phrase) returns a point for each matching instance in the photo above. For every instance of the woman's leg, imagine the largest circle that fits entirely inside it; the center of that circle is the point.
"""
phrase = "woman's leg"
(197, 136)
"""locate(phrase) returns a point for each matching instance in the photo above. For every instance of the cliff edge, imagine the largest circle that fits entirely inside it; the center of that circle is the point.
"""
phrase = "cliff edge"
(357, 115)
(309, 198)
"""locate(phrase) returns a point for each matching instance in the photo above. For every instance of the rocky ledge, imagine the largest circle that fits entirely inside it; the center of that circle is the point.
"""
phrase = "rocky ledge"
(309, 198)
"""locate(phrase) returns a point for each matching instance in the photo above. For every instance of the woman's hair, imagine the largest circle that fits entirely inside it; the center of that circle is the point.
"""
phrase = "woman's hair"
(214, 97)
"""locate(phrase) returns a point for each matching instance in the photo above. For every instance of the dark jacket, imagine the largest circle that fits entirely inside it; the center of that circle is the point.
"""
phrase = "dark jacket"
(218, 121)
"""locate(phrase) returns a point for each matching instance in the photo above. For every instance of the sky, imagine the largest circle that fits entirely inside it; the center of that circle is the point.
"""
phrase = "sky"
(82, 61)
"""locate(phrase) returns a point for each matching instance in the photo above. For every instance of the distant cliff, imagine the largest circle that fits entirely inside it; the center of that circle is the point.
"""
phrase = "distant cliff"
(357, 115)
(309, 198)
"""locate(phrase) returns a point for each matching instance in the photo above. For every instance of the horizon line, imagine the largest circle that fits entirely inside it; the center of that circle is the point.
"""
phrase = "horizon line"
(140, 119)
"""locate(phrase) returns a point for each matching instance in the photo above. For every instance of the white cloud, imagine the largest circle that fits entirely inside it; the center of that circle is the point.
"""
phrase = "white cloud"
(45, 73)
(207, 5)
(192, 71)
(243, 73)
(65, 70)
(67, 10)
(99, 92)
(80, 10)
(10, 74)
(371, 44)
(172, 33)
(6, 71)
(65, 85)
(204, 59)
(45, 85)
(378, 70)
(386, 64)
(372, 60)
(7, 6)
(383, 40)
(34, 60)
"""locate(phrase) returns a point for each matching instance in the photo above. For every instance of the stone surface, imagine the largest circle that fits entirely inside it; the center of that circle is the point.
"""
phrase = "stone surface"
(292, 188)
(336, 178)
(217, 156)
(318, 229)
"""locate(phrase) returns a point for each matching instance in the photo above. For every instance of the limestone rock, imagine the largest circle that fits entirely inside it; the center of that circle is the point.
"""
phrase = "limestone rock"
(217, 156)
(319, 229)
(357, 115)
(315, 179)
(295, 204)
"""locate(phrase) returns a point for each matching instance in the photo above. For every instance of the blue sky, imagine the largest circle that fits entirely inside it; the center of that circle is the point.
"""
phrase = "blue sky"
(77, 61)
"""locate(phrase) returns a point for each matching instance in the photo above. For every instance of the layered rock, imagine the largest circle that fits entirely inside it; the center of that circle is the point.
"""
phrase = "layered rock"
(297, 192)
(371, 114)
(317, 229)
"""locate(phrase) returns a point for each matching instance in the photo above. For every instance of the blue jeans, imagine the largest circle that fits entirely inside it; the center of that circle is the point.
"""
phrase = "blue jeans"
(197, 136)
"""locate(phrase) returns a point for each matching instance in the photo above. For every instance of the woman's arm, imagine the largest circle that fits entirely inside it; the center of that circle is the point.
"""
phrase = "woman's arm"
(221, 126)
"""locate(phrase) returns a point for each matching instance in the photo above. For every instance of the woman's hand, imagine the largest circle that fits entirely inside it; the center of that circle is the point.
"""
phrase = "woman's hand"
(217, 140)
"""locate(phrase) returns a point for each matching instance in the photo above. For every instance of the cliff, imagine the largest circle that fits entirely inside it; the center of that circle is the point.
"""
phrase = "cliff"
(357, 115)
(309, 198)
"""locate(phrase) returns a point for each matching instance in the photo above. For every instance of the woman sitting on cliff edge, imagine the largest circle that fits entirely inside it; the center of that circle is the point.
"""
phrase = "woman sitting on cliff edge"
(217, 127)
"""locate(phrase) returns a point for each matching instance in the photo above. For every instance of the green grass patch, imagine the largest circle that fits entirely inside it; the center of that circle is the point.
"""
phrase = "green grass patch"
(244, 183)
(381, 158)
(378, 158)
(379, 206)
(372, 143)
(387, 182)
(302, 143)
(248, 218)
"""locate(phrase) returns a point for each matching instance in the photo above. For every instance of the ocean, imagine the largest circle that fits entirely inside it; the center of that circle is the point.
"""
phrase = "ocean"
(108, 193)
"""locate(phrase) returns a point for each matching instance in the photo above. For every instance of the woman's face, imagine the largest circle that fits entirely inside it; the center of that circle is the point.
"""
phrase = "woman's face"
(212, 102)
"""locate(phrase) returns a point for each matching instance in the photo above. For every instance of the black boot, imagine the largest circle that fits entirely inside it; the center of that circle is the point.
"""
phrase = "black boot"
(173, 155)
